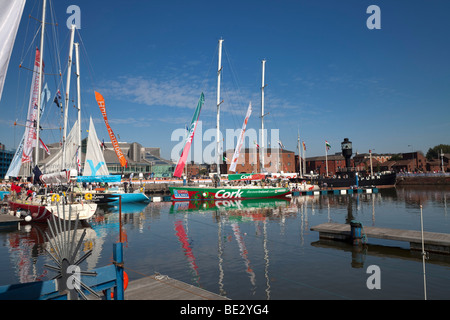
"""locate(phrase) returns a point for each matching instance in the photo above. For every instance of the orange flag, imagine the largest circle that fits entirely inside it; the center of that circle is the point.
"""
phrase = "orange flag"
(101, 104)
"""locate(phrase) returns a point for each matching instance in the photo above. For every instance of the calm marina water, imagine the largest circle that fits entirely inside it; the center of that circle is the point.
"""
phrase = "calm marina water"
(258, 250)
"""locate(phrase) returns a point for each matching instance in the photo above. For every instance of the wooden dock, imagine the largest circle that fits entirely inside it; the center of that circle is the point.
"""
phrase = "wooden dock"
(433, 242)
(8, 221)
(334, 191)
(159, 287)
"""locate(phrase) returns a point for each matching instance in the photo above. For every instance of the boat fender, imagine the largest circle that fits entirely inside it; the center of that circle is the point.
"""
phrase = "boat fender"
(88, 196)
(55, 197)
(28, 218)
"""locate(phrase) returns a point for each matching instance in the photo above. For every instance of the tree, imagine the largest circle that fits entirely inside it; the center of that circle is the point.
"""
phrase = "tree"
(433, 153)
(396, 157)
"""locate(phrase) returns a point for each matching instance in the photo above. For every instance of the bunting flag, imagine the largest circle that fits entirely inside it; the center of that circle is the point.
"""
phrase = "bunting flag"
(280, 144)
(257, 145)
(327, 145)
(241, 140)
(102, 105)
(189, 138)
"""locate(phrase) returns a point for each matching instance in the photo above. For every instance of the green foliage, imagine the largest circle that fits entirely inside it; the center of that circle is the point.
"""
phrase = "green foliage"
(396, 157)
(433, 153)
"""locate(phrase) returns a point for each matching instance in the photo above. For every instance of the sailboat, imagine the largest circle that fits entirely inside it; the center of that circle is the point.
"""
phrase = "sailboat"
(95, 170)
(218, 192)
(42, 207)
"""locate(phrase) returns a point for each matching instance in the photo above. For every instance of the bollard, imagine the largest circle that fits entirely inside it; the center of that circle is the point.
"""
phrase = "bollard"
(356, 232)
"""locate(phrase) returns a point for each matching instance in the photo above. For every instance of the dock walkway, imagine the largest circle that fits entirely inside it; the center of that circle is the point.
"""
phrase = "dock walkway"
(433, 242)
(9, 221)
(158, 287)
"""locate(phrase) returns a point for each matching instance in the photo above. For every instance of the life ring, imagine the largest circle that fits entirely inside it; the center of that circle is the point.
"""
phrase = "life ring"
(55, 197)
(88, 196)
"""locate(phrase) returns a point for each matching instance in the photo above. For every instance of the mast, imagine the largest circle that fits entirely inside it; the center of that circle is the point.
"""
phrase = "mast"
(299, 155)
(66, 110)
(41, 69)
(78, 95)
(262, 114)
(218, 108)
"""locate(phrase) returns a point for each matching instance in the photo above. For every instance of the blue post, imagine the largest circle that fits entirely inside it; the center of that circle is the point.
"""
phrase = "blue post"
(356, 232)
(118, 261)
(357, 182)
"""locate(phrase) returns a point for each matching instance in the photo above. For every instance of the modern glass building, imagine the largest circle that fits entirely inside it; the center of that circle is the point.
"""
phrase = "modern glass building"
(6, 157)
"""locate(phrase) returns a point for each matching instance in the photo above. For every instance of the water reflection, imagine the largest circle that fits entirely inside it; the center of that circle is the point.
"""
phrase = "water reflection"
(30, 243)
(247, 249)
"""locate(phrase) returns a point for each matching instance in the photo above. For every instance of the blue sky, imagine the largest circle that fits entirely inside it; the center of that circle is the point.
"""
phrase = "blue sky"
(327, 74)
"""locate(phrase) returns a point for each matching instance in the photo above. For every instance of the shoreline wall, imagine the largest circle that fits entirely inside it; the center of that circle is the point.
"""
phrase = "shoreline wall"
(423, 180)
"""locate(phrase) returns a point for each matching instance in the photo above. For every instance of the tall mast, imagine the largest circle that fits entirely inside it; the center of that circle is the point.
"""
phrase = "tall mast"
(66, 110)
(299, 155)
(78, 95)
(262, 113)
(218, 108)
(41, 69)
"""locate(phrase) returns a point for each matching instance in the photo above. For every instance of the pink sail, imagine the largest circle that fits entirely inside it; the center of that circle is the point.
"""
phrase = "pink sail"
(241, 140)
(187, 145)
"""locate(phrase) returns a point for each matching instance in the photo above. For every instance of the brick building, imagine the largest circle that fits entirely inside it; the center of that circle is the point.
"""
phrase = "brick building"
(275, 160)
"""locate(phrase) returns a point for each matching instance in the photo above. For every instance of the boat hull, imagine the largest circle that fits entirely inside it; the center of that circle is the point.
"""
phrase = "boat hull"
(41, 213)
(113, 198)
(350, 180)
(129, 197)
(226, 193)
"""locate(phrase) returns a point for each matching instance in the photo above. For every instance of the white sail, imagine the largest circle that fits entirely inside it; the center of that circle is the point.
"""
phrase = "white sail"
(10, 15)
(55, 163)
(94, 164)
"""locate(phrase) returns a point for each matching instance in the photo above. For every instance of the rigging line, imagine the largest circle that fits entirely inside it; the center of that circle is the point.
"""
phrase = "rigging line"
(208, 122)
(239, 106)
(88, 62)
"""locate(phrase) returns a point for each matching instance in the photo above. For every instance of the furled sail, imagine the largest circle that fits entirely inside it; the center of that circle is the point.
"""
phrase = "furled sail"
(189, 138)
(55, 162)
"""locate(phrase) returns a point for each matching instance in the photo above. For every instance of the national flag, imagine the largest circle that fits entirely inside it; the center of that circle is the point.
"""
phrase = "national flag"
(280, 144)
(43, 146)
(304, 145)
(58, 99)
(78, 161)
(257, 145)
(327, 145)
(37, 175)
